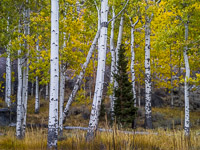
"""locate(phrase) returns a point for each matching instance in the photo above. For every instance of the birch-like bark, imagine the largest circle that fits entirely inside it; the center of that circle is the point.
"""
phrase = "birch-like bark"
(8, 73)
(112, 50)
(80, 77)
(119, 41)
(148, 113)
(187, 76)
(37, 100)
(25, 71)
(19, 96)
(54, 77)
(47, 91)
(62, 88)
(8, 78)
(133, 59)
(62, 91)
(93, 123)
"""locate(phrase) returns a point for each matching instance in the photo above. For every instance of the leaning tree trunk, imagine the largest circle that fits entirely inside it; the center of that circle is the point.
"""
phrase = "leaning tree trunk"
(93, 123)
(148, 116)
(187, 76)
(25, 71)
(54, 77)
(47, 91)
(133, 60)
(19, 95)
(37, 100)
(80, 77)
(112, 50)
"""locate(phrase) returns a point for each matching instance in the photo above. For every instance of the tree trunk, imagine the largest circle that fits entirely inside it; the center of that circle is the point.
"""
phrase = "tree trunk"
(62, 91)
(133, 59)
(112, 50)
(148, 116)
(47, 91)
(187, 76)
(8, 75)
(54, 77)
(19, 96)
(37, 100)
(80, 77)
(93, 123)
(171, 73)
(25, 71)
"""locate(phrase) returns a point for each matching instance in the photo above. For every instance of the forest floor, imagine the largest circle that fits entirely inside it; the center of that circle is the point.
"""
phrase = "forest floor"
(167, 133)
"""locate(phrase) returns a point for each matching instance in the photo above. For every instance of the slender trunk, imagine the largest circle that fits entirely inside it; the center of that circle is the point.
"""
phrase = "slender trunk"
(37, 100)
(171, 91)
(25, 72)
(54, 77)
(94, 116)
(47, 92)
(112, 50)
(8, 79)
(62, 91)
(8, 75)
(119, 41)
(139, 93)
(19, 95)
(80, 77)
(187, 76)
(133, 60)
(148, 116)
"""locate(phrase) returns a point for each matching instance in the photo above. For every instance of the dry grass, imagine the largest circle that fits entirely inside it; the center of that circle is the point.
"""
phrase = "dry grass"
(36, 139)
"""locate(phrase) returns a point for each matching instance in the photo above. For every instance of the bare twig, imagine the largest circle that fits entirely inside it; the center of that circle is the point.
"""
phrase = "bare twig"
(119, 12)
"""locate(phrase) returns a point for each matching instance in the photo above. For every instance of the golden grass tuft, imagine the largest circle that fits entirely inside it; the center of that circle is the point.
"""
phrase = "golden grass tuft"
(36, 139)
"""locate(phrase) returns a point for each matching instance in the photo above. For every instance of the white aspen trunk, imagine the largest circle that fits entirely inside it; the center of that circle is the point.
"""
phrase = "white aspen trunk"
(47, 91)
(19, 96)
(80, 77)
(93, 123)
(25, 72)
(37, 100)
(119, 40)
(112, 50)
(8, 79)
(187, 76)
(148, 116)
(62, 91)
(8, 75)
(133, 60)
(54, 79)
(139, 93)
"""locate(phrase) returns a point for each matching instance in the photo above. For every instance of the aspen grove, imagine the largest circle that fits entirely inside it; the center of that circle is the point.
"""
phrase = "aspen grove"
(60, 67)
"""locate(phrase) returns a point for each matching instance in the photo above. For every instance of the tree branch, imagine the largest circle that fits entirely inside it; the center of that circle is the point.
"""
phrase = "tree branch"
(118, 13)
